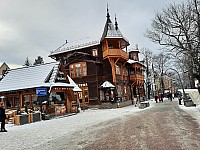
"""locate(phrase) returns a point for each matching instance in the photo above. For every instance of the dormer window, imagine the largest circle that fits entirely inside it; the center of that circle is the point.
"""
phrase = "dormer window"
(134, 57)
(94, 52)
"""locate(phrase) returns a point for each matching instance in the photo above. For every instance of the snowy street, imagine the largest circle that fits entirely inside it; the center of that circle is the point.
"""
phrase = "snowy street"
(72, 129)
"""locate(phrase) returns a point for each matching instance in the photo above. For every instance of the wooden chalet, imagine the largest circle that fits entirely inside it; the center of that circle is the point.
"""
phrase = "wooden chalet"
(99, 67)
(42, 87)
(136, 74)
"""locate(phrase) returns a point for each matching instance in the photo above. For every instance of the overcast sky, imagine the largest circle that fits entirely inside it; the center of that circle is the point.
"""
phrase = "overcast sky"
(31, 28)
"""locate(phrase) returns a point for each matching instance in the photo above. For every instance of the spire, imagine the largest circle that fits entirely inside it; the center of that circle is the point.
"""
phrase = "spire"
(116, 24)
(112, 30)
(108, 15)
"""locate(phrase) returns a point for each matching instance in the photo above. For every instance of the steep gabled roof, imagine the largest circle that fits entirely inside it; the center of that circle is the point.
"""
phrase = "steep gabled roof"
(111, 31)
(31, 77)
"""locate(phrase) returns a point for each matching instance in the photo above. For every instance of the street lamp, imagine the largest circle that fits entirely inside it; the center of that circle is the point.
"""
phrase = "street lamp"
(184, 95)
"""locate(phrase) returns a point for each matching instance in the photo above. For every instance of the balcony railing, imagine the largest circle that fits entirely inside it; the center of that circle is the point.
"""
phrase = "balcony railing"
(115, 53)
(134, 77)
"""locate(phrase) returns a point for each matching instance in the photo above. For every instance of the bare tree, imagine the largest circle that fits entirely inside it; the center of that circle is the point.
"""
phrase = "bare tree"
(177, 28)
(148, 60)
(160, 65)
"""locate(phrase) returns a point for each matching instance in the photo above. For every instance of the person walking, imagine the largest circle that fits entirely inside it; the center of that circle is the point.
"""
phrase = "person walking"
(159, 97)
(2, 117)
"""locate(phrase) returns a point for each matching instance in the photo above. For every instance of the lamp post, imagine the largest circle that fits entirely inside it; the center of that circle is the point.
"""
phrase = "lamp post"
(184, 95)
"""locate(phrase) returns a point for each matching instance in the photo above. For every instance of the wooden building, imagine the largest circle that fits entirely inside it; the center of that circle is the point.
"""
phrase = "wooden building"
(136, 74)
(99, 67)
(42, 87)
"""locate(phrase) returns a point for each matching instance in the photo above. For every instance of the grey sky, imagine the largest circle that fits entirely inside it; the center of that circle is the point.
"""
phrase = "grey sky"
(31, 28)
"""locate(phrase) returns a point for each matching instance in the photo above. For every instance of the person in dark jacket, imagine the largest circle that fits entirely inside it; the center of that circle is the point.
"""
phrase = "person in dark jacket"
(2, 117)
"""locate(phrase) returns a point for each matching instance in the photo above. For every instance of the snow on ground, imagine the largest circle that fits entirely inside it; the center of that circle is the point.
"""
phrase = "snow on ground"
(192, 111)
(30, 135)
(35, 134)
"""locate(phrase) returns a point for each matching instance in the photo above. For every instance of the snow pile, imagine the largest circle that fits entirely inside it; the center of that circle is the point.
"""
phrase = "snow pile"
(192, 111)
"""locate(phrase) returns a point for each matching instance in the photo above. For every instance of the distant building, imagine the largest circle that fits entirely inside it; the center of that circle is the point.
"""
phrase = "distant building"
(103, 69)
(4, 67)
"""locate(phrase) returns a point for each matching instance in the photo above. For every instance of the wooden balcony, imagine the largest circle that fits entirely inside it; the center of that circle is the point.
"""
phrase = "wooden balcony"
(115, 53)
(136, 77)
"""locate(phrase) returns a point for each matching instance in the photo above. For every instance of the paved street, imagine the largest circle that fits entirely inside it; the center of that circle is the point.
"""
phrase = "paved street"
(163, 127)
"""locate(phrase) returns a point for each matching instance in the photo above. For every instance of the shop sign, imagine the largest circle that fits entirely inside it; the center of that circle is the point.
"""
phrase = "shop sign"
(41, 91)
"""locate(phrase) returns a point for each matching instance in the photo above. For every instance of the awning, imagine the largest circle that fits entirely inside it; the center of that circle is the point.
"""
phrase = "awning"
(107, 84)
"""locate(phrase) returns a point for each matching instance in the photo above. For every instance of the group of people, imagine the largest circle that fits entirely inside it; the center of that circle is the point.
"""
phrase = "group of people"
(2, 117)
(159, 97)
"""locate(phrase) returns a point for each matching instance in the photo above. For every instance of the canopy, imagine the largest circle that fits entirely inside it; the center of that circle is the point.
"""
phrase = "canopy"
(107, 84)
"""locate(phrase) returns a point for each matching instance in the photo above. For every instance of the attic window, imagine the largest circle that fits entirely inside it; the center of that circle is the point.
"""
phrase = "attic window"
(94, 52)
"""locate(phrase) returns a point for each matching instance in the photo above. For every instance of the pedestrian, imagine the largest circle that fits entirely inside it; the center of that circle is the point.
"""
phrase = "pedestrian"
(159, 97)
(156, 98)
(170, 96)
(162, 96)
(2, 117)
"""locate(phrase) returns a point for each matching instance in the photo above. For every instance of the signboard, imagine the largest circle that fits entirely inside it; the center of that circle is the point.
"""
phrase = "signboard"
(41, 91)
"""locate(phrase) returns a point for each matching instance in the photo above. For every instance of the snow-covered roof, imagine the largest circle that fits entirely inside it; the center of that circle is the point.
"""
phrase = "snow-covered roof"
(130, 61)
(107, 84)
(75, 45)
(187, 90)
(76, 88)
(31, 77)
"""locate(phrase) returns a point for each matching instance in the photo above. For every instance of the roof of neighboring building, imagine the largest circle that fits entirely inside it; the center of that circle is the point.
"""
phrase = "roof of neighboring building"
(5, 65)
(31, 77)
(71, 46)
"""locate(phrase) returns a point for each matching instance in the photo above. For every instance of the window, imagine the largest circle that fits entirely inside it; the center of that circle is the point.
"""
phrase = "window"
(125, 90)
(16, 101)
(26, 100)
(86, 94)
(133, 56)
(125, 71)
(34, 99)
(94, 52)
(117, 69)
(78, 69)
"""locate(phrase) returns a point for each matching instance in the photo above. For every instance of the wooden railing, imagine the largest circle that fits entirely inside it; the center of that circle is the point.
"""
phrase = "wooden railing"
(134, 77)
(115, 53)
